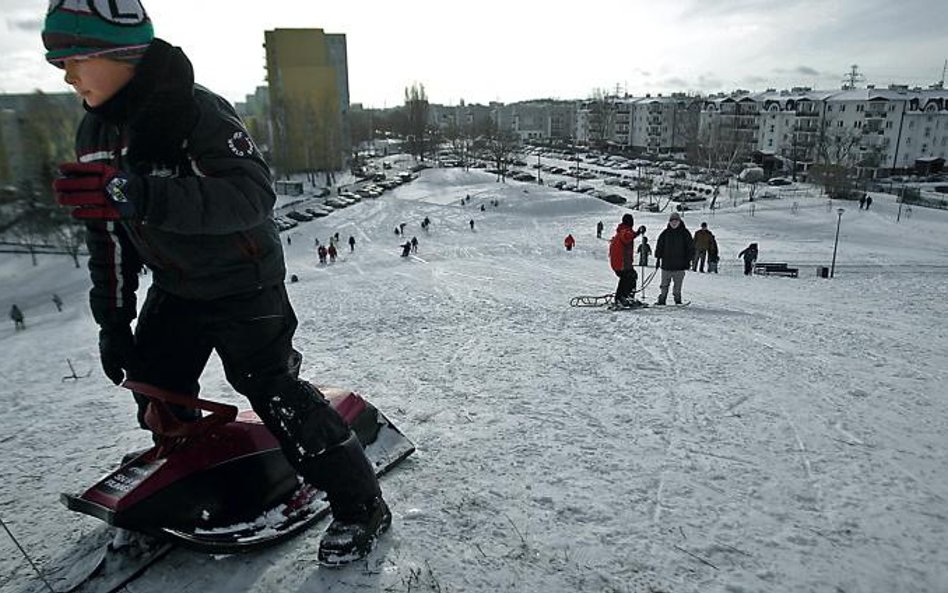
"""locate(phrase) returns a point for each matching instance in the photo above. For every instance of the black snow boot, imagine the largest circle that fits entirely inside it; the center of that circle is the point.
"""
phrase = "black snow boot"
(360, 515)
(352, 537)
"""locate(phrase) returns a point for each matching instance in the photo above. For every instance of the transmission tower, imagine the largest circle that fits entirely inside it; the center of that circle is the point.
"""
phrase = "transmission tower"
(852, 77)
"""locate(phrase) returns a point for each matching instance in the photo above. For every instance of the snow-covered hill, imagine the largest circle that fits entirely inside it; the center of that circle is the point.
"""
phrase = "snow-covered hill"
(777, 435)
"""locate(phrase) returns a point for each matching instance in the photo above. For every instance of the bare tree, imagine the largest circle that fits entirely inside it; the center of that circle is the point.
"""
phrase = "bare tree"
(418, 131)
(459, 138)
(836, 150)
(501, 146)
(602, 117)
(716, 148)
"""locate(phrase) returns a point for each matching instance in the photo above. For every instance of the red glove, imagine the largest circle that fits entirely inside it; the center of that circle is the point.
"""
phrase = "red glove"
(95, 191)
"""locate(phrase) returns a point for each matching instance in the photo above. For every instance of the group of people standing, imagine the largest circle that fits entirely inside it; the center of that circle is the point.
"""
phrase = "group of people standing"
(675, 252)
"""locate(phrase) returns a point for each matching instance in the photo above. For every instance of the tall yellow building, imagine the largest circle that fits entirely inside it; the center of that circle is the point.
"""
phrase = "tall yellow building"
(308, 78)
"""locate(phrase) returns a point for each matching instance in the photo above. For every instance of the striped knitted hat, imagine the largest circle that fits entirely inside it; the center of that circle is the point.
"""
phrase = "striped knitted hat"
(116, 29)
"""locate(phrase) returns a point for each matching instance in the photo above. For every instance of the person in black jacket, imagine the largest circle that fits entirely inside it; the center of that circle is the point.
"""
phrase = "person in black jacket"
(674, 252)
(168, 178)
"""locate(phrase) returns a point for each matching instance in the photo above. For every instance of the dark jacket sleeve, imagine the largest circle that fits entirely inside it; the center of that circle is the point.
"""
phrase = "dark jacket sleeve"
(230, 190)
(114, 265)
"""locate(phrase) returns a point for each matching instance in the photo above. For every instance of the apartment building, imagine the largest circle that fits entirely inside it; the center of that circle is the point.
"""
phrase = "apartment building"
(663, 124)
(871, 129)
(307, 76)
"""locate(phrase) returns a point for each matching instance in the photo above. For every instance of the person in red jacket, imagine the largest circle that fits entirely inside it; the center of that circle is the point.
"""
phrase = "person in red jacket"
(569, 242)
(622, 260)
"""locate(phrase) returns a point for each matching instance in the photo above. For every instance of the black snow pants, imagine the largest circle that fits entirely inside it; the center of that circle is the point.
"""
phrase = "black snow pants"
(627, 281)
(252, 334)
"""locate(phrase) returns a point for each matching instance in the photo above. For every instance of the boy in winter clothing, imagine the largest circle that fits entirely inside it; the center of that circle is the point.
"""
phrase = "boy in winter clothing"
(750, 256)
(568, 242)
(169, 178)
(674, 253)
(622, 260)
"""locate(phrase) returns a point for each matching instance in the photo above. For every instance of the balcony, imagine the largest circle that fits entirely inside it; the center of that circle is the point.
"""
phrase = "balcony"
(875, 114)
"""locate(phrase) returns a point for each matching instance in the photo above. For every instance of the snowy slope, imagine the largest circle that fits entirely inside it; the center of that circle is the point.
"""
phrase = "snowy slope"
(777, 435)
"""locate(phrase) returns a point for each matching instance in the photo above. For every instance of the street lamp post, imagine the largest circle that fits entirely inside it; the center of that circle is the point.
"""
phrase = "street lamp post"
(898, 216)
(839, 220)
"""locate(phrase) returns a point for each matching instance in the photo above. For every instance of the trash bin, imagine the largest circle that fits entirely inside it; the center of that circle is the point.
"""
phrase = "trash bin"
(823, 271)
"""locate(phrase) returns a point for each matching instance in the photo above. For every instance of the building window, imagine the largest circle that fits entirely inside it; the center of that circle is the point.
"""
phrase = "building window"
(892, 107)
(888, 125)
(839, 124)
(829, 107)
(842, 108)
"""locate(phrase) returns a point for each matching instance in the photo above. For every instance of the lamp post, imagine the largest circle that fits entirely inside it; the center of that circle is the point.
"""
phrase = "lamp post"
(898, 216)
(839, 220)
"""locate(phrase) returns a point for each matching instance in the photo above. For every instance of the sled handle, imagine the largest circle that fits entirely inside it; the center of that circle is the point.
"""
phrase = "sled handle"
(167, 425)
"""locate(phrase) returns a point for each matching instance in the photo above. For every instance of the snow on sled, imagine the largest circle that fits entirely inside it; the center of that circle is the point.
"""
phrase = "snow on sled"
(219, 485)
(225, 485)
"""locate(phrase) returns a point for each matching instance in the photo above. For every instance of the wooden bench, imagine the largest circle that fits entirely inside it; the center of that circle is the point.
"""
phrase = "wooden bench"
(775, 269)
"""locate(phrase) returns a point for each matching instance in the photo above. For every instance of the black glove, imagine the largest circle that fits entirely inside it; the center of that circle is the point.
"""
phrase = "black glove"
(117, 351)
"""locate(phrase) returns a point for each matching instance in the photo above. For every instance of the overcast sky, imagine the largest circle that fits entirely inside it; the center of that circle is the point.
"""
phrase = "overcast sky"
(509, 50)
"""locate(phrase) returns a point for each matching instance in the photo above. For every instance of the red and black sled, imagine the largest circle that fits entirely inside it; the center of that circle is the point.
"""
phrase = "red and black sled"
(221, 484)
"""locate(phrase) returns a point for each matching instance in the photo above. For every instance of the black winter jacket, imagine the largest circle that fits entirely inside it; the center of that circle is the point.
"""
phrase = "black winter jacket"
(675, 248)
(201, 189)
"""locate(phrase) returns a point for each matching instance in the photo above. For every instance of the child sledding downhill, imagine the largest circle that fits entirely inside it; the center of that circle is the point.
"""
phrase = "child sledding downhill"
(169, 178)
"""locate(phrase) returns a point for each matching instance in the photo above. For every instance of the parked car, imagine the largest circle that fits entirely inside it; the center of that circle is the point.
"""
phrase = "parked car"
(317, 212)
(284, 223)
(612, 198)
(777, 181)
(299, 216)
